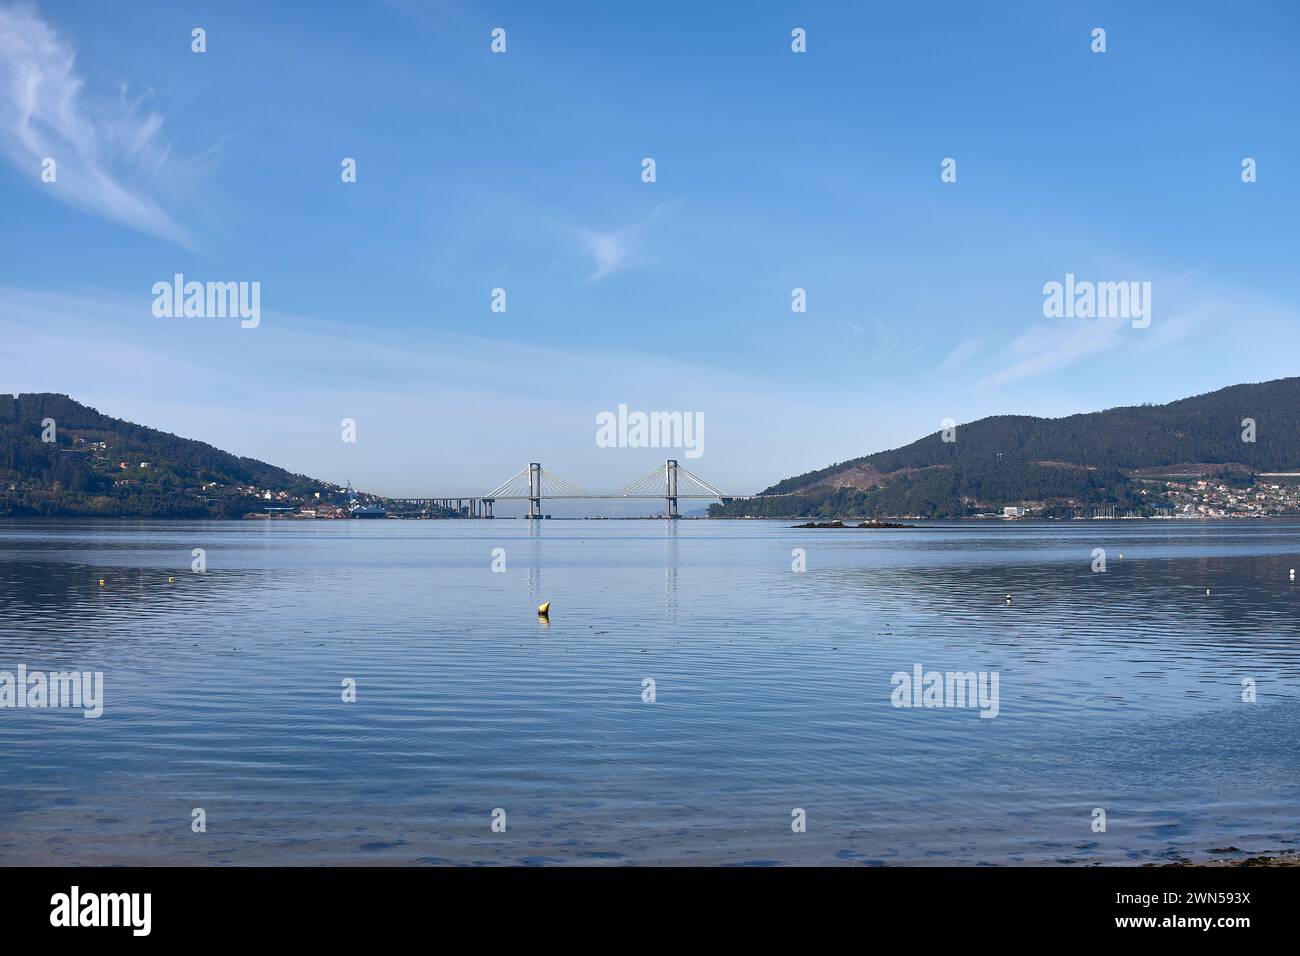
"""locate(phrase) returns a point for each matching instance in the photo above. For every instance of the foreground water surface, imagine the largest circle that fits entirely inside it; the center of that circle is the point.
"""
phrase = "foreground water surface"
(1120, 690)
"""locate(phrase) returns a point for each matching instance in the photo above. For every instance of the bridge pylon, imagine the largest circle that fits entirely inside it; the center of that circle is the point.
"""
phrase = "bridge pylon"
(534, 490)
(670, 489)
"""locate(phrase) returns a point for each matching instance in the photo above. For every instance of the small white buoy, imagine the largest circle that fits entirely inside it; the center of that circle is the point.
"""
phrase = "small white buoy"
(1008, 598)
(1121, 556)
(1293, 574)
(1207, 590)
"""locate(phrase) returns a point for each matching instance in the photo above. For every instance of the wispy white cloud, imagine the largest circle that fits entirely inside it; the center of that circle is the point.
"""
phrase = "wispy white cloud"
(108, 152)
(615, 251)
(961, 354)
(609, 250)
(1052, 345)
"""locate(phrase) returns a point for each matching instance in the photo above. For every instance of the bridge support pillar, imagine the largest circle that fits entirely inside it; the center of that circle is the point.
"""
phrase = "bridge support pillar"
(670, 489)
(534, 490)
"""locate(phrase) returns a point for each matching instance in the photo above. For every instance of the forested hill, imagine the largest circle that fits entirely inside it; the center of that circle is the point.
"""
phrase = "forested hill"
(99, 465)
(1085, 459)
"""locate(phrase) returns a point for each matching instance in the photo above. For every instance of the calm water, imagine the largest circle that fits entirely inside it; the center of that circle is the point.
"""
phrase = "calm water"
(1119, 690)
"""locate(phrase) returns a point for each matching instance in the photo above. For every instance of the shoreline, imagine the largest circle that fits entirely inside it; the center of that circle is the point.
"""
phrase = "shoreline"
(871, 522)
(1269, 858)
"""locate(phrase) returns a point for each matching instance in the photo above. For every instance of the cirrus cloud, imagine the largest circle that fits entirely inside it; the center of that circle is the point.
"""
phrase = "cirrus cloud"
(109, 151)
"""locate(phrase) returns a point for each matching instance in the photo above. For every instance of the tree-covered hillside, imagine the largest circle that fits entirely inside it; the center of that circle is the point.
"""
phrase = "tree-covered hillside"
(1205, 428)
(105, 466)
(1070, 463)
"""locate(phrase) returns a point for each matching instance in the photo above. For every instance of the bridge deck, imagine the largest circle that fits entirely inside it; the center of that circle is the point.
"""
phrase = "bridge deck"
(669, 481)
(660, 497)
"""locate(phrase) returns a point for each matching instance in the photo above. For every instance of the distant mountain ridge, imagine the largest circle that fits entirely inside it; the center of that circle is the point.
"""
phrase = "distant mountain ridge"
(1084, 459)
(99, 465)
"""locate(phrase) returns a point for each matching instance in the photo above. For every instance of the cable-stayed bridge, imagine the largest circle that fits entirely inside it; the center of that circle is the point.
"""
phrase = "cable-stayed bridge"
(534, 484)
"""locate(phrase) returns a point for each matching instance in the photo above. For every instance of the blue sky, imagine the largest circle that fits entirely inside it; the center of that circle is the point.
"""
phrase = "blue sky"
(522, 170)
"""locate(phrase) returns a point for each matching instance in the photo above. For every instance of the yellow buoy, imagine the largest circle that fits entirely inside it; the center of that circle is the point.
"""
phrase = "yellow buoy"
(101, 582)
(169, 580)
(544, 609)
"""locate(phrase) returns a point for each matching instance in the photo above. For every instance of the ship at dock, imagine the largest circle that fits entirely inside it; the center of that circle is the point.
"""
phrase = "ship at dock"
(357, 509)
